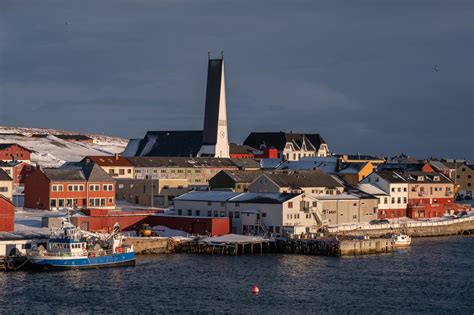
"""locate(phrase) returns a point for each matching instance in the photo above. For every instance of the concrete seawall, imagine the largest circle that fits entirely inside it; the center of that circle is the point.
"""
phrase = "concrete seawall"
(152, 245)
(421, 230)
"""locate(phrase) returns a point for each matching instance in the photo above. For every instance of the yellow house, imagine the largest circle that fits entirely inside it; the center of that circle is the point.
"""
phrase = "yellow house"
(353, 173)
(361, 158)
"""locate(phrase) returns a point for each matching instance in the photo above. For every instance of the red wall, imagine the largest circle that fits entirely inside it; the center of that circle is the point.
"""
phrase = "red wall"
(268, 154)
(241, 156)
(391, 213)
(14, 152)
(192, 225)
(7, 215)
(37, 191)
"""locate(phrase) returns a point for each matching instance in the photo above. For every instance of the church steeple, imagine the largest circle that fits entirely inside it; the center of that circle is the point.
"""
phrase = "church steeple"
(215, 141)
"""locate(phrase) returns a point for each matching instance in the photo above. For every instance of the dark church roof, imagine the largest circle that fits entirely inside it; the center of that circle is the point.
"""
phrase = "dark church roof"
(278, 140)
(170, 143)
(213, 94)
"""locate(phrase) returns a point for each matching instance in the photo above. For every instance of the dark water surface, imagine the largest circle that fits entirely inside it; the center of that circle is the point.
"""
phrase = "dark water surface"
(435, 275)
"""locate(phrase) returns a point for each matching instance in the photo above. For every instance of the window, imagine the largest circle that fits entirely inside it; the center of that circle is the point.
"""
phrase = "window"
(198, 213)
(3, 189)
(209, 213)
(222, 213)
(385, 200)
(129, 171)
(404, 199)
(163, 171)
(290, 204)
(94, 187)
(399, 189)
(399, 200)
(216, 213)
(121, 171)
(393, 189)
(404, 189)
(231, 214)
(61, 203)
(393, 199)
(190, 212)
(107, 187)
(209, 203)
(264, 214)
(237, 214)
(53, 203)
(237, 204)
(180, 212)
(111, 200)
(57, 187)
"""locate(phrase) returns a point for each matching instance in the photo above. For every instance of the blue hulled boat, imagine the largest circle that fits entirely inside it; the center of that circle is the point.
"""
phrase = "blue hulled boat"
(71, 248)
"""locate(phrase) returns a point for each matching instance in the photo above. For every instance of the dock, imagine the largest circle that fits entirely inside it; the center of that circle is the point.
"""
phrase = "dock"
(232, 244)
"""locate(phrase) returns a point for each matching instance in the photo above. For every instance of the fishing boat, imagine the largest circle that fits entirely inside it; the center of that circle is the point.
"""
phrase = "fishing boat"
(401, 240)
(71, 248)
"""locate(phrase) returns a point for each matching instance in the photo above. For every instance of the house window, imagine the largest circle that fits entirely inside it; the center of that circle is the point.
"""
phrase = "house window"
(393, 189)
(198, 213)
(237, 204)
(385, 200)
(290, 204)
(399, 200)
(111, 200)
(264, 214)
(237, 214)
(216, 213)
(121, 171)
(209, 203)
(180, 212)
(399, 189)
(209, 213)
(404, 199)
(53, 203)
(393, 199)
(60, 203)
(129, 171)
(190, 212)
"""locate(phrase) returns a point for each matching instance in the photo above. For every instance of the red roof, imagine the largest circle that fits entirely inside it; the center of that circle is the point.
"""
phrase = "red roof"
(105, 160)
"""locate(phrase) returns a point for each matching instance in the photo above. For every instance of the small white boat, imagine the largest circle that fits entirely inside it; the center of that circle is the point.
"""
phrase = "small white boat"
(401, 240)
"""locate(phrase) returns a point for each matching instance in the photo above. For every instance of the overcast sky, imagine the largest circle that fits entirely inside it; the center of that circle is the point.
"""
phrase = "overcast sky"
(373, 77)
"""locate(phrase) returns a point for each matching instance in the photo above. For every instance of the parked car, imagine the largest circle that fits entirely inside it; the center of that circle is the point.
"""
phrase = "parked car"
(467, 198)
(384, 221)
(461, 214)
(459, 198)
(373, 222)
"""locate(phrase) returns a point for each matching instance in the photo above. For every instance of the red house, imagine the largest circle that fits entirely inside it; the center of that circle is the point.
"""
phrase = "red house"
(7, 215)
(14, 152)
(17, 170)
(83, 185)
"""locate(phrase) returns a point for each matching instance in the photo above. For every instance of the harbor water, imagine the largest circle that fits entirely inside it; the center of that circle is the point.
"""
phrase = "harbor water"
(434, 275)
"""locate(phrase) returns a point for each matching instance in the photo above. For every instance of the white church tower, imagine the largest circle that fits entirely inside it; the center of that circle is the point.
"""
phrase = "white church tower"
(215, 140)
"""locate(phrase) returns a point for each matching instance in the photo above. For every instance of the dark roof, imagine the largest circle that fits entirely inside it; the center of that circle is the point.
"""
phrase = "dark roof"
(240, 149)
(263, 197)
(4, 175)
(78, 171)
(240, 176)
(170, 143)
(391, 176)
(4, 164)
(412, 177)
(363, 157)
(7, 145)
(198, 162)
(303, 179)
(410, 167)
(64, 174)
(278, 140)
(213, 93)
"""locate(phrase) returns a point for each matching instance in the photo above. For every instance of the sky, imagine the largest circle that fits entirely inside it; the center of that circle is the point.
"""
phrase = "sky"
(374, 77)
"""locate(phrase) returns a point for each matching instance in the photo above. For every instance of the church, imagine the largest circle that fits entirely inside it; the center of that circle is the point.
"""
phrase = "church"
(212, 141)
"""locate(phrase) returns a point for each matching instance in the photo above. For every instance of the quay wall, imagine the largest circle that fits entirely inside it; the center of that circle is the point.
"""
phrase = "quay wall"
(152, 245)
(364, 247)
(414, 229)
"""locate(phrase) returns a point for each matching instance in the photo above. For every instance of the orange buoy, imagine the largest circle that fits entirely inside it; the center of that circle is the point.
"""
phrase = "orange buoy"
(255, 289)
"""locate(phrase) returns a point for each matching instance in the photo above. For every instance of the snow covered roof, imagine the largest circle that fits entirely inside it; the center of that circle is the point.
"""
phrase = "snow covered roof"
(218, 196)
(298, 179)
(232, 238)
(371, 189)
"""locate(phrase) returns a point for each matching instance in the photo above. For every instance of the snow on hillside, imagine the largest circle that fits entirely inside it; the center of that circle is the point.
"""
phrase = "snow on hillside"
(51, 151)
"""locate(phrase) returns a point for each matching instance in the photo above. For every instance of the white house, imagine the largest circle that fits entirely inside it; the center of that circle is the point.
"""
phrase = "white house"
(396, 186)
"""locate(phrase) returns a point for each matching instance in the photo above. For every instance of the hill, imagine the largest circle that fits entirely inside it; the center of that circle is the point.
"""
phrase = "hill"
(51, 151)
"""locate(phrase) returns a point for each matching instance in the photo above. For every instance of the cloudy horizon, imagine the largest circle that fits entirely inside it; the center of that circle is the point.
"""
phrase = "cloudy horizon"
(376, 77)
